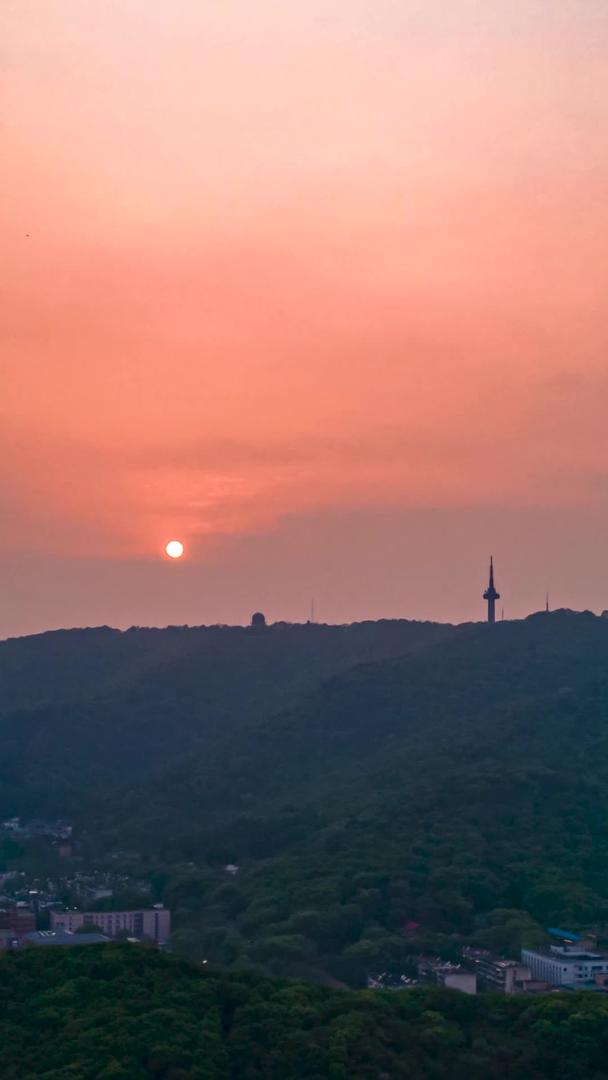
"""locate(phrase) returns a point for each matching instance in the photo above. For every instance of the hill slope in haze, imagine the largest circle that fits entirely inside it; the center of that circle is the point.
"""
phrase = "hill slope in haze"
(82, 709)
(463, 788)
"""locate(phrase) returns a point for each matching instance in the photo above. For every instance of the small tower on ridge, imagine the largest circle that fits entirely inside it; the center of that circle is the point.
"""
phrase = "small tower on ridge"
(491, 595)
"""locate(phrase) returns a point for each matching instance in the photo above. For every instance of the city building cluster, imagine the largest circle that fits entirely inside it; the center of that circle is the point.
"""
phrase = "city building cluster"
(570, 961)
(62, 911)
(19, 926)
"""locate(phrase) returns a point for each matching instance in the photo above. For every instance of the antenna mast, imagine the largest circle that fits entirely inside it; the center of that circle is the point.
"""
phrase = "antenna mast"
(491, 594)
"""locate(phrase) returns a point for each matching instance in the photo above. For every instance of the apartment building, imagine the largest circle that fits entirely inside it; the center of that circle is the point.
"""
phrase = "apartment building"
(154, 923)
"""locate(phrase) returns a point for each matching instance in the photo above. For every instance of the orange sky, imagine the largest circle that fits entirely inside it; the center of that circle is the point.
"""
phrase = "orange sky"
(332, 270)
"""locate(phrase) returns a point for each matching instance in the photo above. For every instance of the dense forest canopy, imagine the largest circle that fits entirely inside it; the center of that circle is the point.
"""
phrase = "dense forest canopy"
(122, 1012)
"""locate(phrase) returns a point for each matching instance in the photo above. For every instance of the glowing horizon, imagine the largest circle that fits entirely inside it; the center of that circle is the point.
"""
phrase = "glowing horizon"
(270, 270)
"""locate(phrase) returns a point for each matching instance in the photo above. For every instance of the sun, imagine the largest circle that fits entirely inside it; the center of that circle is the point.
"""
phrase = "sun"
(174, 549)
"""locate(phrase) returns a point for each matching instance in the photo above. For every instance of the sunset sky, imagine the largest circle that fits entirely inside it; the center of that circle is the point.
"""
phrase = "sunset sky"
(318, 287)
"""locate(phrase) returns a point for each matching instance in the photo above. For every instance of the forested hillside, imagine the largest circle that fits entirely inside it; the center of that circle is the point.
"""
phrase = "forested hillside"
(127, 1013)
(87, 709)
(463, 788)
(453, 790)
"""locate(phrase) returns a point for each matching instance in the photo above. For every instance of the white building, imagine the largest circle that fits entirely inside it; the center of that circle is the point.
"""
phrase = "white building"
(567, 965)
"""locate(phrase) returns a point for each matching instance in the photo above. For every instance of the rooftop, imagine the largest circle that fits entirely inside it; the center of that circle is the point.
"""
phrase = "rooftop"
(567, 935)
(566, 955)
(63, 937)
